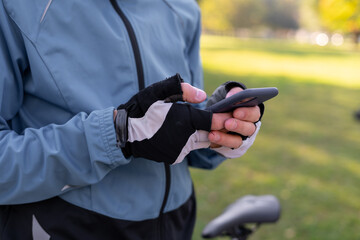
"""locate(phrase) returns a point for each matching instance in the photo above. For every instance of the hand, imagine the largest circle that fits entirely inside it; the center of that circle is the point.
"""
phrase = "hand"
(153, 126)
(190, 94)
(240, 121)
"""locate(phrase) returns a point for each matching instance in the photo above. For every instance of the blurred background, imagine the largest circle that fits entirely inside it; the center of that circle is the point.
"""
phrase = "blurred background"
(308, 150)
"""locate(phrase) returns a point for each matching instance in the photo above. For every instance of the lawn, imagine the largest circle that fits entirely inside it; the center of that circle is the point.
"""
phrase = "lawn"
(308, 150)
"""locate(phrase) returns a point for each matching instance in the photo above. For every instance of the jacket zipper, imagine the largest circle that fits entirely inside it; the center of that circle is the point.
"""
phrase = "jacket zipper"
(134, 44)
(141, 82)
(166, 196)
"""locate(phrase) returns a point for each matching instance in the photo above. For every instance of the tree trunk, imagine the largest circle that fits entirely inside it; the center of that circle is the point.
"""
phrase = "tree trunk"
(356, 35)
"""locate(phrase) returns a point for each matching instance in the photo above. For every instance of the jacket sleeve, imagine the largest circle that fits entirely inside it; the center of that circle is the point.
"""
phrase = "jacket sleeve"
(36, 164)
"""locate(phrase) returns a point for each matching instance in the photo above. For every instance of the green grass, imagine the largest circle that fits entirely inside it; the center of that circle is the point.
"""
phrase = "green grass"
(308, 150)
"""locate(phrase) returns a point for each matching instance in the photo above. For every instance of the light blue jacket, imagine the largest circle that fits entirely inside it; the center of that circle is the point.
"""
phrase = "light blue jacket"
(64, 66)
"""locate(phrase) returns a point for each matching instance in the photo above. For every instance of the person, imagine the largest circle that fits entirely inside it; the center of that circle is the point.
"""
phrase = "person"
(93, 145)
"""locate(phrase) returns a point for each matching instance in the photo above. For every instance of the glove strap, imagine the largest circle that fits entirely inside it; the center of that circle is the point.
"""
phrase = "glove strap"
(121, 128)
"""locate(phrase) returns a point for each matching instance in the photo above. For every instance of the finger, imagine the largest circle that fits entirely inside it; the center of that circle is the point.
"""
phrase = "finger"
(233, 91)
(218, 138)
(214, 145)
(249, 114)
(168, 90)
(218, 120)
(241, 127)
(192, 94)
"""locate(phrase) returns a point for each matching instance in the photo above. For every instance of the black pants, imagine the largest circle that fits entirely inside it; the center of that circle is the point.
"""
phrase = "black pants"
(57, 219)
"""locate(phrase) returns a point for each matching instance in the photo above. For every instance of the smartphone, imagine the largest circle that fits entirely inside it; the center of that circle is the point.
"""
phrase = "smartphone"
(247, 98)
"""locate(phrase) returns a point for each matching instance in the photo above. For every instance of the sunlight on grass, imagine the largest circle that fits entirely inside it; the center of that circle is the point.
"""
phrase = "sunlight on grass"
(229, 60)
(331, 192)
(353, 167)
(307, 152)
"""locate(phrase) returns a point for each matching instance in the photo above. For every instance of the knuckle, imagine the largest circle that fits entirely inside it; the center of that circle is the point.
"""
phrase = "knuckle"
(217, 123)
(240, 113)
(238, 143)
(232, 141)
(243, 127)
(249, 129)
(257, 114)
(253, 129)
(246, 128)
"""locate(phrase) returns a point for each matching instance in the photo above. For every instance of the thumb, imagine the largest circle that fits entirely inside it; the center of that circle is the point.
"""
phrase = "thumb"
(192, 94)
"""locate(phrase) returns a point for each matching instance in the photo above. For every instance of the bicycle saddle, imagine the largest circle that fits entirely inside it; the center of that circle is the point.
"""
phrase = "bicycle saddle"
(248, 209)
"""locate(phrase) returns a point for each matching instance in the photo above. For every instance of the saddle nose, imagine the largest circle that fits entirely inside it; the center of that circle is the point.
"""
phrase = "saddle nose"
(245, 210)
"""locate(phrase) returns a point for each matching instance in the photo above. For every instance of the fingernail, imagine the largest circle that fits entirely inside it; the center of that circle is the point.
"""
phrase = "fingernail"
(216, 137)
(200, 95)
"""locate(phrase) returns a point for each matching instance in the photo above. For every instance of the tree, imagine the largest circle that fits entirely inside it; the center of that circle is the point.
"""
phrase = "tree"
(228, 15)
(341, 15)
(281, 14)
(309, 16)
(215, 15)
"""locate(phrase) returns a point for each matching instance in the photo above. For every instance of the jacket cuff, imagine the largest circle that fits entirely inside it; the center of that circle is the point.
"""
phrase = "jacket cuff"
(101, 135)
